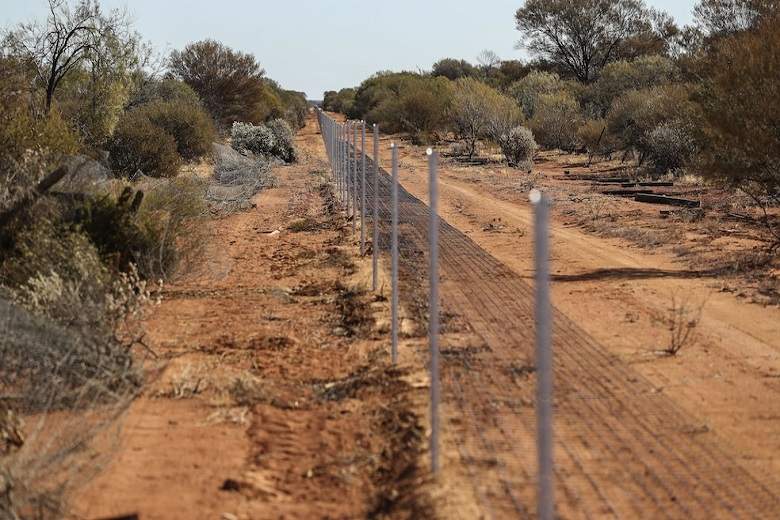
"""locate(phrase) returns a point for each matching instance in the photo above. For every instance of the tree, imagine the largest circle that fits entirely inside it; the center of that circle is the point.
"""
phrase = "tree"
(453, 69)
(230, 83)
(68, 39)
(741, 104)
(724, 17)
(580, 35)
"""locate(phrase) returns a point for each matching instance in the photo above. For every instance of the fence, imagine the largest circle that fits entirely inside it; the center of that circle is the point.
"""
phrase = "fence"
(623, 446)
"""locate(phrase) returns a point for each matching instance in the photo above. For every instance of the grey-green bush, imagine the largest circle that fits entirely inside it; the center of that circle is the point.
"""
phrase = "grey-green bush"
(518, 146)
(284, 140)
(256, 139)
(671, 146)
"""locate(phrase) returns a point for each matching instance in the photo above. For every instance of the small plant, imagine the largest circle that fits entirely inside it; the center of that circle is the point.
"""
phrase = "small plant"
(682, 321)
(519, 146)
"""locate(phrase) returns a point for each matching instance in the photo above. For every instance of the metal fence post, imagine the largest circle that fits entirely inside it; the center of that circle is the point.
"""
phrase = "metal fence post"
(362, 188)
(375, 221)
(433, 319)
(544, 357)
(354, 178)
(394, 255)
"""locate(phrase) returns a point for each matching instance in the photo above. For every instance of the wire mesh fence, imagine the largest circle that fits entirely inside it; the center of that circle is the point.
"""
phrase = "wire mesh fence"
(621, 448)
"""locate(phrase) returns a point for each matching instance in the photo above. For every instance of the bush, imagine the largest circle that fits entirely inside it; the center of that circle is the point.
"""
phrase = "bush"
(238, 178)
(556, 120)
(284, 140)
(256, 139)
(635, 114)
(518, 146)
(138, 144)
(479, 110)
(741, 105)
(621, 76)
(171, 219)
(593, 135)
(190, 126)
(670, 147)
(404, 102)
(528, 90)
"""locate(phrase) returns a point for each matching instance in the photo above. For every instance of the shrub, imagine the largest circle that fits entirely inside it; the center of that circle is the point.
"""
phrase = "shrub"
(741, 105)
(637, 113)
(528, 90)
(453, 69)
(518, 146)
(479, 110)
(171, 218)
(238, 178)
(256, 139)
(670, 146)
(619, 77)
(596, 139)
(404, 102)
(284, 140)
(138, 144)
(555, 122)
(166, 89)
(190, 126)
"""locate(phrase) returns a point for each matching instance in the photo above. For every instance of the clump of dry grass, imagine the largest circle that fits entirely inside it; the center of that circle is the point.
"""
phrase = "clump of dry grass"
(682, 319)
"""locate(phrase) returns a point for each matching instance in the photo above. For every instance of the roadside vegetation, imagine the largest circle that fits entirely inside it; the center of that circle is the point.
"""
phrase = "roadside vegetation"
(623, 83)
(110, 168)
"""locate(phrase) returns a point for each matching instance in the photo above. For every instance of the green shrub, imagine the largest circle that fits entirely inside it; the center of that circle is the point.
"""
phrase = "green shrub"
(518, 146)
(635, 114)
(190, 126)
(139, 144)
(618, 77)
(528, 90)
(556, 120)
(593, 135)
(171, 218)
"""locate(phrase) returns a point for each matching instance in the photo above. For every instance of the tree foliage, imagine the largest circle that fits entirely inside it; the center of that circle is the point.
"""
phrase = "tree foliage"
(582, 36)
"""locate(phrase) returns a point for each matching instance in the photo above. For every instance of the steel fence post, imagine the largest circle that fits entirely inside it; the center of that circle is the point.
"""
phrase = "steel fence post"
(375, 221)
(362, 188)
(433, 320)
(354, 178)
(544, 357)
(394, 255)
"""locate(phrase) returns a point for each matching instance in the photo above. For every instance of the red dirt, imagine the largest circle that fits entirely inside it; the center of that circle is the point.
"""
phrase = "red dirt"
(288, 402)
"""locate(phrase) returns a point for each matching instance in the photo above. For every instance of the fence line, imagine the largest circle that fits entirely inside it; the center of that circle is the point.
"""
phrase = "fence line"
(608, 417)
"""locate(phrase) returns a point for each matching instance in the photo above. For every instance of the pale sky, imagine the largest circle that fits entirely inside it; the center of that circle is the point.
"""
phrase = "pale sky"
(318, 45)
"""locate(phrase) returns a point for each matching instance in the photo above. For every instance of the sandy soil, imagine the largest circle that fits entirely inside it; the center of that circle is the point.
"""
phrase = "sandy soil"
(726, 375)
(276, 399)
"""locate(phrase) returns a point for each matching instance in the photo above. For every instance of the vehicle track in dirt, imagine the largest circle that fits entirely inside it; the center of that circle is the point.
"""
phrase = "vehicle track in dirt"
(622, 448)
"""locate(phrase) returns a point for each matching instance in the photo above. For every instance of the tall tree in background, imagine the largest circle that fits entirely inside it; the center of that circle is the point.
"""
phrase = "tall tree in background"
(724, 17)
(65, 42)
(582, 36)
(230, 83)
